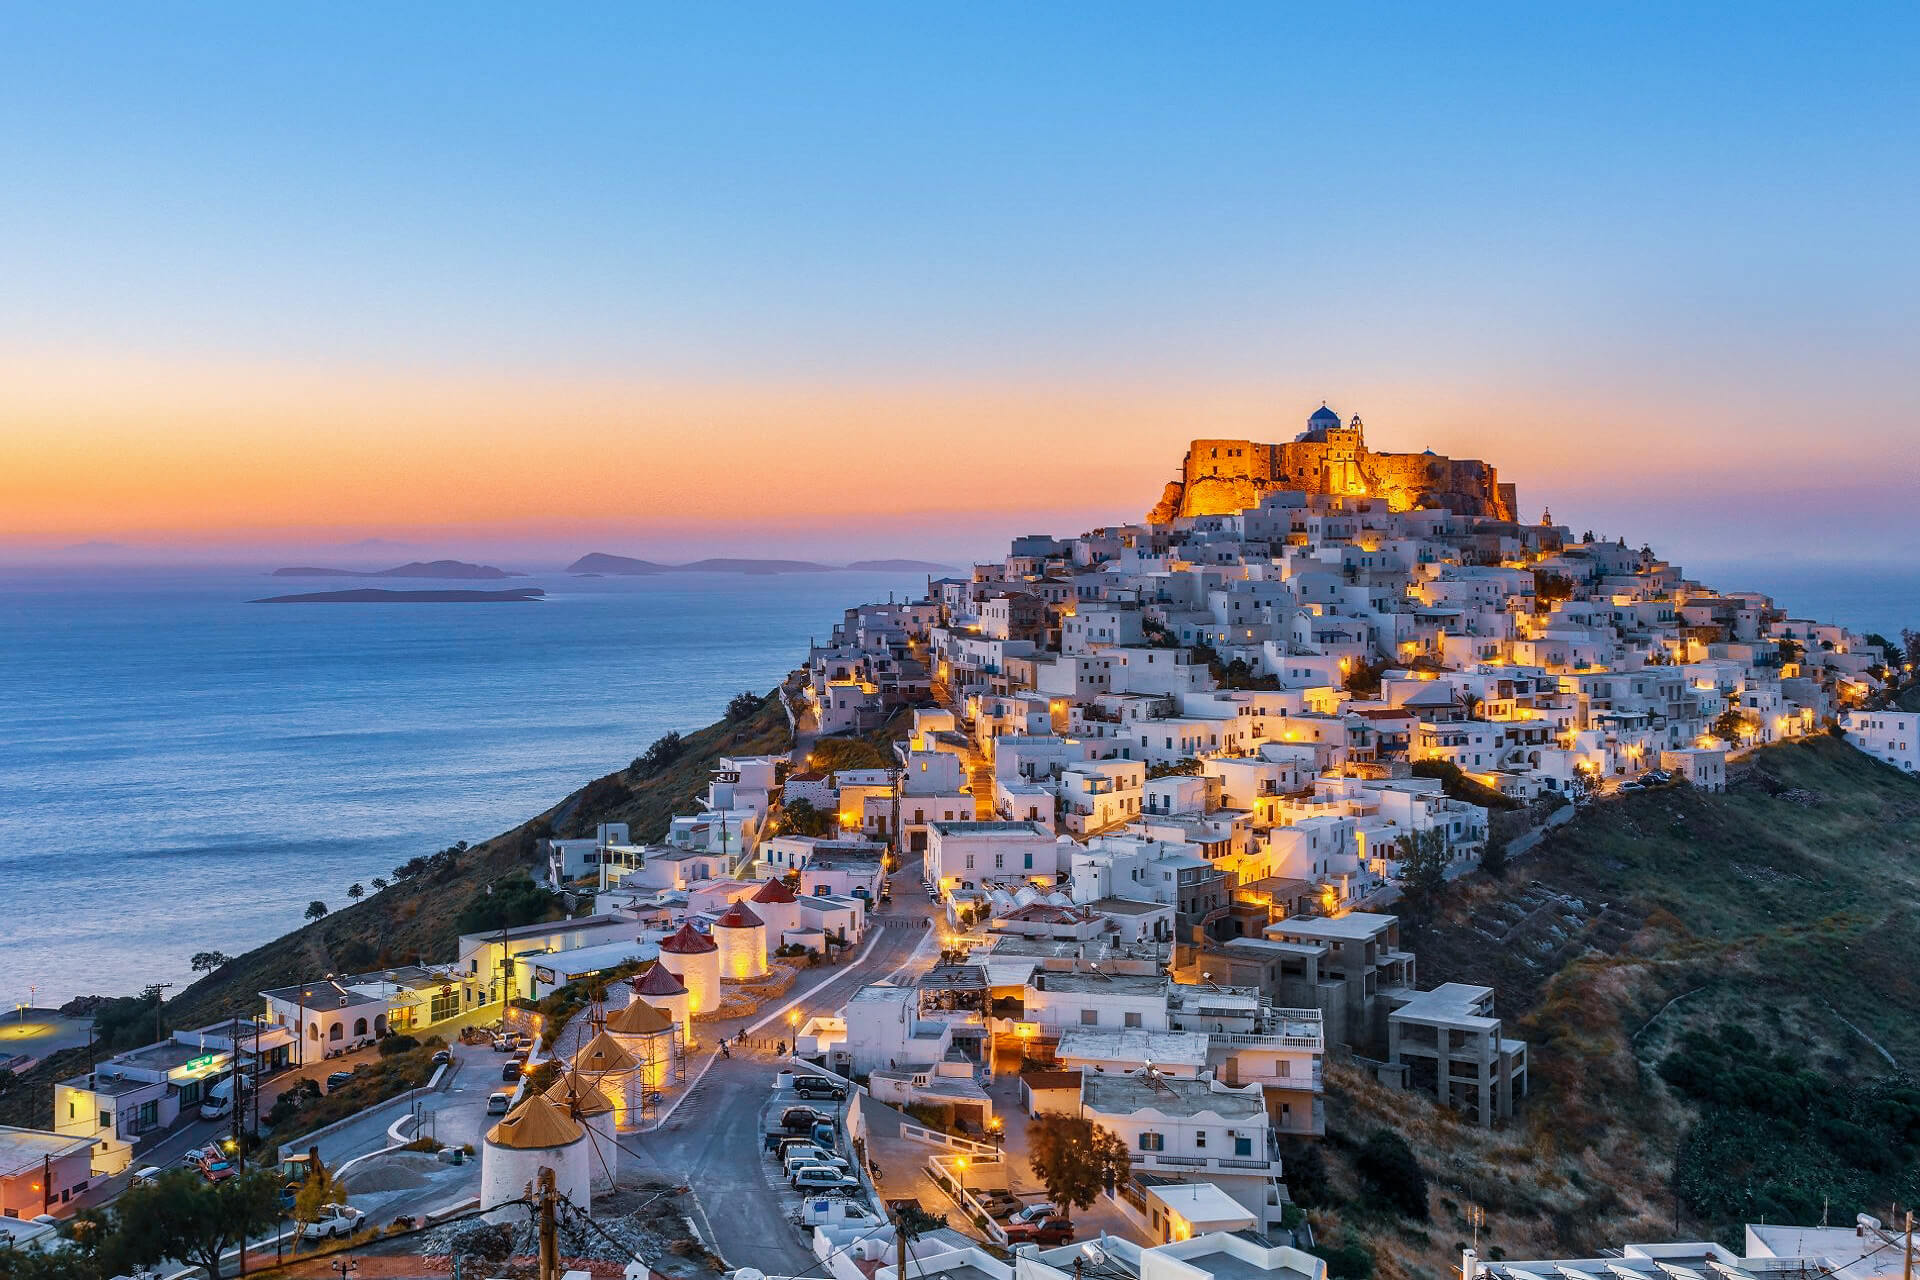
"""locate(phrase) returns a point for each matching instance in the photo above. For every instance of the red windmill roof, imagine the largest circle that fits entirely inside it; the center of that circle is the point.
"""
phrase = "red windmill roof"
(738, 916)
(772, 891)
(689, 941)
(658, 980)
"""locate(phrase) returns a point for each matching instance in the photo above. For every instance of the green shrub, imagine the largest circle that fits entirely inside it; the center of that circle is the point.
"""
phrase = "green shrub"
(1387, 1164)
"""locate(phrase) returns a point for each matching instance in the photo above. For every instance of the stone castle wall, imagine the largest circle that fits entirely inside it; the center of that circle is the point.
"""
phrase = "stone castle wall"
(1219, 477)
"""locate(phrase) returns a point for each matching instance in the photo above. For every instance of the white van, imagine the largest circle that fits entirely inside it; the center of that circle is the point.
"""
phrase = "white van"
(218, 1103)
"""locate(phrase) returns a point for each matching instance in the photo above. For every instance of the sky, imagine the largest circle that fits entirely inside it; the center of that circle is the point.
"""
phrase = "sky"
(853, 280)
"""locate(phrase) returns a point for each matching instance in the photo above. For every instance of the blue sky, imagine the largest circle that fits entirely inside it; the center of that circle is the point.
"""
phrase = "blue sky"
(1468, 216)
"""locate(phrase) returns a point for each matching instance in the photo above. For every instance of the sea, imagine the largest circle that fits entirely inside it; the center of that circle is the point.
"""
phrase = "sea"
(182, 770)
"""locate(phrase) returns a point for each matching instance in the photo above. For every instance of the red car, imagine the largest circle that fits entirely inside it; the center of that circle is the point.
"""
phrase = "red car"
(1046, 1231)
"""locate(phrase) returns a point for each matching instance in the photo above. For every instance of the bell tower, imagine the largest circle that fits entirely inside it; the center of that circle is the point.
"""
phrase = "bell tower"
(1345, 447)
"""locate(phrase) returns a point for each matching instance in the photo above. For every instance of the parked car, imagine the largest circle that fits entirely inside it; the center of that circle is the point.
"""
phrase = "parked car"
(504, 1044)
(511, 1071)
(498, 1103)
(334, 1220)
(789, 1147)
(1039, 1211)
(147, 1174)
(822, 1178)
(998, 1204)
(212, 1162)
(337, 1078)
(814, 1157)
(442, 1058)
(803, 1119)
(818, 1087)
(1045, 1231)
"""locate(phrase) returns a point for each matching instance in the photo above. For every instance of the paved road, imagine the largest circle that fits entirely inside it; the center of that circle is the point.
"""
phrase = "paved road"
(712, 1140)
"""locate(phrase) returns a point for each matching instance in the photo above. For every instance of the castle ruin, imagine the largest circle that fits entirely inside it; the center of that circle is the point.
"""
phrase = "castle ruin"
(1220, 477)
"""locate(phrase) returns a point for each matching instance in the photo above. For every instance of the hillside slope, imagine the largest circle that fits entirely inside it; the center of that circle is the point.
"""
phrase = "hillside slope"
(1755, 948)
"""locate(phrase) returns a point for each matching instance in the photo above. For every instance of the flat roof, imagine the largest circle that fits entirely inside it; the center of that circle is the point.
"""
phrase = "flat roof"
(1223, 1265)
(1132, 1044)
(110, 1086)
(1099, 980)
(22, 1150)
(1127, 907)
(1355, 926)
(970, 827)
(1455, 1002)
(1200, 1202)
(1126, 1094)
(321, 995)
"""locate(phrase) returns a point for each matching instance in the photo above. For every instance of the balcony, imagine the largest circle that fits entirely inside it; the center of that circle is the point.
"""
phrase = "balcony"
(1165, 1162)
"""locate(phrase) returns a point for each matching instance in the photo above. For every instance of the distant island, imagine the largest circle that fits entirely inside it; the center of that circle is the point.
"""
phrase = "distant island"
(600, 562)
(413, 569)
(379, 595)
(897, 566)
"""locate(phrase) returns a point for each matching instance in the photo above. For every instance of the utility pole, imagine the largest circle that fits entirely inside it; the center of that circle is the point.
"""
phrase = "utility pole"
(549, 1229)
(1907, 1272)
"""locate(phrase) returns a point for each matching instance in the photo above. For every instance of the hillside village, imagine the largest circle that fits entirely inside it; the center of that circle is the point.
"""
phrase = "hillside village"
(1171, 789)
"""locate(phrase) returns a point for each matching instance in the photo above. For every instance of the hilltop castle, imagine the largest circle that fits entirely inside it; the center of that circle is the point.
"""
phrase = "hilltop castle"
(1224, 476)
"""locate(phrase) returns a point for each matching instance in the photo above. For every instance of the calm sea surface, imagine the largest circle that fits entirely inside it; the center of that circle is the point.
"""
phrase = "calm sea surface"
(182, 771)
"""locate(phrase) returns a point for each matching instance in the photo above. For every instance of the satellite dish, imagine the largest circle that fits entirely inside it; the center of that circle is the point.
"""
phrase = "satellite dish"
(1094, 1253)
(749, 1273)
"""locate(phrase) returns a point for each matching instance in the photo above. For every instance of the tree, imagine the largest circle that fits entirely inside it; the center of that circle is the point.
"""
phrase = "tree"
(356, 891)
(1549, 587)
(378, 883)
(208, 961)
(511, 903)
(803, 819)
(182, 1215)
(320, 1190)
(1424, 856)
(745, 706)
(316, 909)
(1493, 859)
(126, 1022)
(1910, 647)
(665, 749)
(1075, 1158)
(1730, 725)
(1387, 1164)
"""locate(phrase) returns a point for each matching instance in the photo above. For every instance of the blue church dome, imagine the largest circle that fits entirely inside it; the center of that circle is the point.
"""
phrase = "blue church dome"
(1323, 417)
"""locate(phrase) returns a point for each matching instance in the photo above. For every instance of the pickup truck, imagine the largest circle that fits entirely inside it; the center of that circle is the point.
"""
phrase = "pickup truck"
(334, 1220)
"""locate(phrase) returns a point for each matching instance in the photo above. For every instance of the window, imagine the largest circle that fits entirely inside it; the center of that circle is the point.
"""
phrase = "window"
(1243, 1146)
(1089, 1017)
(1153, 1142)
(337, 1031)
(1286, 1069)
(106, 1119)
(1133, 1018)
(360, 1027)
(1200, 1139)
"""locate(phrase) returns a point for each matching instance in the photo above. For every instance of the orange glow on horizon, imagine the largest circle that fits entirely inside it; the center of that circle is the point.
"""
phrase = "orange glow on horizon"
(113, 446)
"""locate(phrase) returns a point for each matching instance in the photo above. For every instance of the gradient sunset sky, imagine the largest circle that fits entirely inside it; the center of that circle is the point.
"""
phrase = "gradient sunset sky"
(851, 280)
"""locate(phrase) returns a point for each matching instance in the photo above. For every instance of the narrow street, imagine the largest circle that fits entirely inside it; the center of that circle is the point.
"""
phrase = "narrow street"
(712, 1139)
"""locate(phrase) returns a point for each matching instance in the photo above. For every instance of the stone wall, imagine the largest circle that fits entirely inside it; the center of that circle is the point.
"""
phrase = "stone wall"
(1219, 477)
